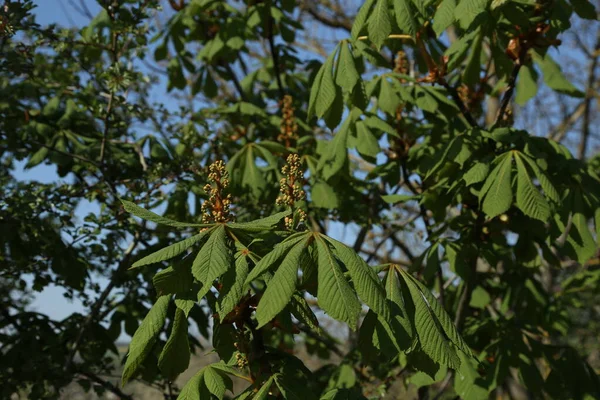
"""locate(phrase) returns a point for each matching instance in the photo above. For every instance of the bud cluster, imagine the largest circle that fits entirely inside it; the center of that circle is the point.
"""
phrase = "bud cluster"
(289, 127)
(216, 207)
(401, 65)
(291, 187)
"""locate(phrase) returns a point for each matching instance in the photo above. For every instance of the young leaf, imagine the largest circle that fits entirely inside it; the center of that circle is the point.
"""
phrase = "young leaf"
(150, 216)
(498, 188)
(263, 392)
(175, 357)
(379, 25)
(171, 251)
(212, 261)
(281, 287)
(144, 338)
(335, 296)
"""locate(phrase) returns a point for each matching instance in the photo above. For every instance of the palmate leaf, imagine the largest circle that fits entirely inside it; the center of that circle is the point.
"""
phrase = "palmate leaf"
(497, 188)
(212, 261)
(171, 251)
(335, 157)
(335, 296)
(282, 286)
(303, 313)
(144, 338)
(174, 279)
(150, 216)
(175, 356)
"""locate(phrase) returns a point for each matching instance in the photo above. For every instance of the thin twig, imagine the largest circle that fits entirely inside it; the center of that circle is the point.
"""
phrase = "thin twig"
(585, 132)
(106, 384)
(512, 83)
(274, 55)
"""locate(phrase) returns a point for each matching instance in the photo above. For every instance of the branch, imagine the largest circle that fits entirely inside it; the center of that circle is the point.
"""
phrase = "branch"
(106, 384)
(585, 133)
(274, 56)
(512, 80)
(460, 104)
(95, 310)
(324, 19)
(559, 132)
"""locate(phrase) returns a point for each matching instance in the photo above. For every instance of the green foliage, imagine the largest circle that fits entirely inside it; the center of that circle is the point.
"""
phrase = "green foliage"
(268, 191)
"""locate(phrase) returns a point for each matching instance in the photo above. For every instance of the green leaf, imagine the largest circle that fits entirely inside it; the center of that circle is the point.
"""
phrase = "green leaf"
(404, 17)
(173, 280)
(379, 24)
(479, 298)
(554, 77)
(584, 9)
(388, 99)
(477, 173)
(335, 157)
(367, 143)
(195, 389)
(303, 313)
(216, 381)
(445, 323)
(281, 287)
(233, 286)
(346, 75)
(361, 19)
(529, 199)
(365, 280)
(547, 187)
(144, 338)
(175, 357)
(171, 251)
(212, 261)
(428, 327)
(323, 196)
(37, 157)
(325, 87)
(399, 198)
(269, 261)
(335, 296)
(260, 225)
(252, 177)
(468, 10)
(497, 188)
(263, 392)
(150, 216)
(526, 84)
(444, 16)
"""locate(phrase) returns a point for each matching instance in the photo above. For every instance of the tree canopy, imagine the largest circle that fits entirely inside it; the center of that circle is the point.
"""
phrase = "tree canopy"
(317, 199)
